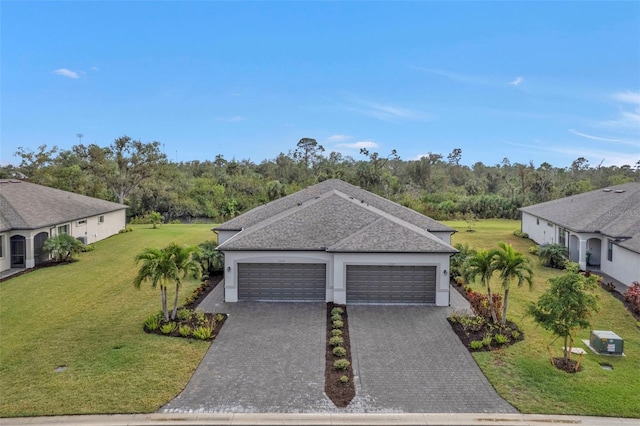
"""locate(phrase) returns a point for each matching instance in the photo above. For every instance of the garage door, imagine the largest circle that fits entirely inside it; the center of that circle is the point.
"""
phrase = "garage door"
(300, 282)
(391, 284)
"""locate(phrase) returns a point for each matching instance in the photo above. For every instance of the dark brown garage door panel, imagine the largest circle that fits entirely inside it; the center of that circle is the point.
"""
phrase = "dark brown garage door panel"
(282, 282)
(391, 284)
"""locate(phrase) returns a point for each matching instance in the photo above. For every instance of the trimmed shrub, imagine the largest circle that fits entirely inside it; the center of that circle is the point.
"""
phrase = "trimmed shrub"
(336, 332)
(344, 379)
(337, 310)
(520, 234)
(632, 295)
(339, 351)
(338, 324)
(336, 317)
(479, 303)
(336, 341)
(341, 364)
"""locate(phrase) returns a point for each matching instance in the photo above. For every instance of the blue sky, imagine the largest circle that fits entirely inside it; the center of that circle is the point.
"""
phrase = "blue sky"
(531, 81)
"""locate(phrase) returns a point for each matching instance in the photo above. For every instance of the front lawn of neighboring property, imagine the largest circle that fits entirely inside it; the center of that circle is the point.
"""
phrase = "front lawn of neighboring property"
(522, 373)
(86, 319)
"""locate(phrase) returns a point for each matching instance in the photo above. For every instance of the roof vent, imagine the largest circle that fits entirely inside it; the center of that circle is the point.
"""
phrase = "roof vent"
(606, 190)
(619, 191)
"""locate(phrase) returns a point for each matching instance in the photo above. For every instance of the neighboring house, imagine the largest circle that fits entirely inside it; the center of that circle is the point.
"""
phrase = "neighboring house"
(30, 213)
(336, 242)
(600, 228)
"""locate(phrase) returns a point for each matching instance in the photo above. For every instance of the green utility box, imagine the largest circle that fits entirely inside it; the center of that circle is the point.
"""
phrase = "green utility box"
(606, 342)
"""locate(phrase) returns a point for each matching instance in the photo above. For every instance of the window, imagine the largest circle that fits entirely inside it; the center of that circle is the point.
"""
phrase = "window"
(63, 229)
(81, 222)
(101, 219)
(1, 246)
(562, 236)
(537, 221)
(610, 250)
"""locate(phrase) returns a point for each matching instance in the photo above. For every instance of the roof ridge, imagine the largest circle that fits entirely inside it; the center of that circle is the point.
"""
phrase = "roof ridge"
(281, 215)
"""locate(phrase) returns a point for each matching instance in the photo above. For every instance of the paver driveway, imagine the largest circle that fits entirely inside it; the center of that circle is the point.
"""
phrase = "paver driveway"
(269, 357)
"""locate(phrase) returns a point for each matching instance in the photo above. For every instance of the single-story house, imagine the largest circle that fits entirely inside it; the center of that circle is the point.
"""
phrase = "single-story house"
(335, 242)
(600, 228)
(30, 213)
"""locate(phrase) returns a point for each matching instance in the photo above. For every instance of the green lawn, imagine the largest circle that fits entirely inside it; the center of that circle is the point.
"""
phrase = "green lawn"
(88, 316)
(522, 373)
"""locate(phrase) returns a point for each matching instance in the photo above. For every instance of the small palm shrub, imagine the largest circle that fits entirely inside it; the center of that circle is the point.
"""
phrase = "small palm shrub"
(476, 344)
(203, 333)
(153, 322)
(339, 351)
(168, 328)
(500, 339)
(183, 314)
(553, 255)
(341, 364)
(185, 330)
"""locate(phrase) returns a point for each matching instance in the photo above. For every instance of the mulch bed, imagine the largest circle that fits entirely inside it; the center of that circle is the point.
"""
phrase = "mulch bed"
(568, 365)
(626, 304)
(198, 295)
(340, 393)
(467, 336)
(47, 264)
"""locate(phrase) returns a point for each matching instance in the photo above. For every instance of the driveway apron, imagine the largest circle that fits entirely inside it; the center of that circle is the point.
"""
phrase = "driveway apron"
(268, 357)
(407, 359)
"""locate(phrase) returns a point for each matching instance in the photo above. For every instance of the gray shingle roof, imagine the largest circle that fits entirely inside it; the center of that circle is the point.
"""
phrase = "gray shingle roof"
(612, 211)
(25, 205)
(324, 217)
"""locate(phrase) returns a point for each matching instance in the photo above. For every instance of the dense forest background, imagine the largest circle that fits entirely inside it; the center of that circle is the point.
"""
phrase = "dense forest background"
(438, 185)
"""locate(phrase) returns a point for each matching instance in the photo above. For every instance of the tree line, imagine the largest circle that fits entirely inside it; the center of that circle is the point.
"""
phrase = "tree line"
(140, 175)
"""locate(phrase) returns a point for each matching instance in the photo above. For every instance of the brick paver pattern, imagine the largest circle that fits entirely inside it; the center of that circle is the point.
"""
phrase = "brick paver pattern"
(269, 357)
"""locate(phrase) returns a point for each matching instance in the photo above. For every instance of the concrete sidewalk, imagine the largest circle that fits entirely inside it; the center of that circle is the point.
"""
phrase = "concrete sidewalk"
(418, 419)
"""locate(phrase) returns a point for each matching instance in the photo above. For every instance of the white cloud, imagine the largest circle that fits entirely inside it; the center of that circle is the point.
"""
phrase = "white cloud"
(517, 81)
(66, 73)
(464, 78)
(628, 97)
(339, 138)
(359, 145)
(604, 139)
(95, 69)
(230, 119)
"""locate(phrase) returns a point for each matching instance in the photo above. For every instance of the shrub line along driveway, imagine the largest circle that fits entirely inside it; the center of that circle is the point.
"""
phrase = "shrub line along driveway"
(269, 358)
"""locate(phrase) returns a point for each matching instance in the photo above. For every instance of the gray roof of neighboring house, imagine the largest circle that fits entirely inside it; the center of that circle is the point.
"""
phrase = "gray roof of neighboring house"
(338, 217)
(25, 205)
(612, 211)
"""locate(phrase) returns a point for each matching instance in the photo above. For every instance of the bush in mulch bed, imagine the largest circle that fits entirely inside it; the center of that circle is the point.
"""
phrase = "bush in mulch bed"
(477, 334)
(338, 372)
(190, 322)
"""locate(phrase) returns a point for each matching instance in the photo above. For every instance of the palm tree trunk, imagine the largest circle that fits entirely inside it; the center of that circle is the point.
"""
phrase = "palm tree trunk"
(504, 307)
(163, 292)
(175, 304)
(491, 307)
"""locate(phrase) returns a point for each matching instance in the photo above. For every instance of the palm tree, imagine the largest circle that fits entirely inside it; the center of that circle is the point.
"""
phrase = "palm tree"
(553, 255)
(209, 258)
(511, 264)
(480, 266)
(161, 266)
(62, 247)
